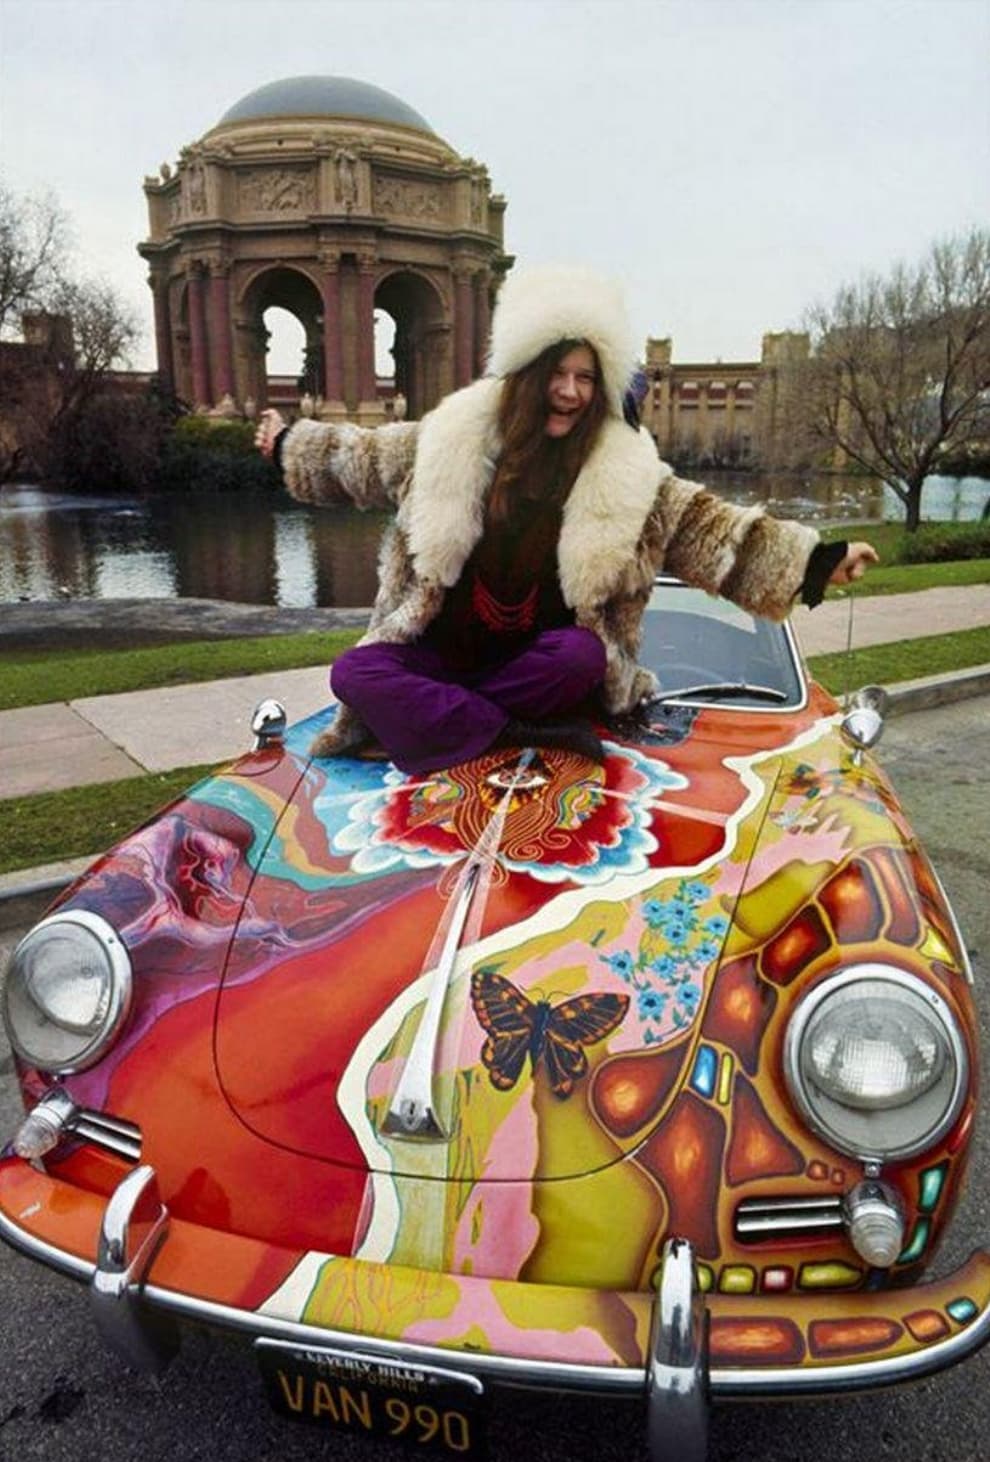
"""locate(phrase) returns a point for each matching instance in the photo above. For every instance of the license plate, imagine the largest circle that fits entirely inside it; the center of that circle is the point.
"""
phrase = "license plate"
(348, 1390)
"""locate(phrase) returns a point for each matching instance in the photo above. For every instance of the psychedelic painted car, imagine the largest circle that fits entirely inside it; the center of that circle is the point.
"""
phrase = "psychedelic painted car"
(651, 1078)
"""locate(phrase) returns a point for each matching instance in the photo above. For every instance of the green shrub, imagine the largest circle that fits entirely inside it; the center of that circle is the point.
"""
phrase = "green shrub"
(931, 543)
(971, 459)
(204, 455)
(216, 435)
(942, 542)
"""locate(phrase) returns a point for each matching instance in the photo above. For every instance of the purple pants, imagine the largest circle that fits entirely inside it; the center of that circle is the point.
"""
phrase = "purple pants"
(427, 715)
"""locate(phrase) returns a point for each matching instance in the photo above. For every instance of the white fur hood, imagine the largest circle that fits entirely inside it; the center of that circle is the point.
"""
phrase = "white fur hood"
(539, 307)
(442, 515)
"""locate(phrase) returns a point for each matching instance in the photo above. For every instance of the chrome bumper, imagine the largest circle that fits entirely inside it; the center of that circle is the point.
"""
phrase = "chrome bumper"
(676, 1378)
(134, 1226)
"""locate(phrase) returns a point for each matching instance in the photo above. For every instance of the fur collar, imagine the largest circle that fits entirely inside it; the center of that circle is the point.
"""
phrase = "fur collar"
(442, 515)
(457, 450)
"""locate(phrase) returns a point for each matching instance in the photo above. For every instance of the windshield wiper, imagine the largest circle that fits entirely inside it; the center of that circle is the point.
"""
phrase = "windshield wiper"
(722, 690)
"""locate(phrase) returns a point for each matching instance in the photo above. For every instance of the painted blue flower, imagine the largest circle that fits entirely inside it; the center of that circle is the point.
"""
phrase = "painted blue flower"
(677, 931)
(680, 907)
(665, 966)
(650, 1004)
(621, 964)
(653, 913)
(680, 912)
(689, 997)
(717, 925)
(697, 892)
(704, 952)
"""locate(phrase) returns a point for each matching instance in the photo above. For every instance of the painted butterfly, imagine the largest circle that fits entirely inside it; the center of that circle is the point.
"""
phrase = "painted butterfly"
(515, 1025)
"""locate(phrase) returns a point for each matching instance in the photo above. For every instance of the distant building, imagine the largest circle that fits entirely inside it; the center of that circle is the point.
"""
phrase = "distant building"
(725, 413)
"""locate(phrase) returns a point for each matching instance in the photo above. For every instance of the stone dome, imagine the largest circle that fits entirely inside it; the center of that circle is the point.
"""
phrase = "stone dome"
(324, 96)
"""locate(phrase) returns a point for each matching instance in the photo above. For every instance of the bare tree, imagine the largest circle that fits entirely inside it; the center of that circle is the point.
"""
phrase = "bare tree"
(104, 330)
(34, 244)
(77, 331)
(899, 372)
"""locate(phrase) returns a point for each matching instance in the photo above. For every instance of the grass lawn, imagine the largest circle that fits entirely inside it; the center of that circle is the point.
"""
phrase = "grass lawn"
(903, 660)
(892, 539)
(51, 826)
(908, 578)
(893, 576)
(30, 678)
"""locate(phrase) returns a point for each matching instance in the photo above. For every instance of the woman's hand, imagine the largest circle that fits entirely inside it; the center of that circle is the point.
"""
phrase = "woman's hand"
(270, 425)
(859, 556)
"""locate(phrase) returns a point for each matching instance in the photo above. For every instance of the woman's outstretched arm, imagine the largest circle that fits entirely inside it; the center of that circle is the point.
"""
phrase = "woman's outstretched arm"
(323, 462)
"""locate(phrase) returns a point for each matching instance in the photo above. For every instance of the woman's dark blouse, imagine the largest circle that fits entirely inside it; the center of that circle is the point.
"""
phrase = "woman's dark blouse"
(508, 590)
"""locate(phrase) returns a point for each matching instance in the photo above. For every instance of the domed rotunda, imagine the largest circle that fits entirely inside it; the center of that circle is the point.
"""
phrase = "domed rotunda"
(330, 198)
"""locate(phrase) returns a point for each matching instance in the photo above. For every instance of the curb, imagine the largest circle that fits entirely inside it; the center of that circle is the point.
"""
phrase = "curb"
(938, 690)
(25, 894)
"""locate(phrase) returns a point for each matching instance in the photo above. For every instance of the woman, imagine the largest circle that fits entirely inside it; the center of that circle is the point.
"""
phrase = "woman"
(532, 517)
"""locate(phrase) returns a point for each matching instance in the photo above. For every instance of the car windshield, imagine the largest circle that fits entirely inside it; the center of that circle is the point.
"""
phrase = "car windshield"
(710, 651)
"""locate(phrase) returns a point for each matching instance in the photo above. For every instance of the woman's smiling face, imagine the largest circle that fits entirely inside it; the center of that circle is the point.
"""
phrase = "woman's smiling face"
(571, 389)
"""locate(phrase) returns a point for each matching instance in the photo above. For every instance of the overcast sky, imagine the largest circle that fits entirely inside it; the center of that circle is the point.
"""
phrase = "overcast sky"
(731, 160)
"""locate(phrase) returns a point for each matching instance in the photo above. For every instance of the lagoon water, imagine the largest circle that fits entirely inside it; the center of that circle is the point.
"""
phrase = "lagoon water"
(270, 550)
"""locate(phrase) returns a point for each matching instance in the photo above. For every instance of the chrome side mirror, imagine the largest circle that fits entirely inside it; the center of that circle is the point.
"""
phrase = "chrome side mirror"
(268, 724)
(863, 722)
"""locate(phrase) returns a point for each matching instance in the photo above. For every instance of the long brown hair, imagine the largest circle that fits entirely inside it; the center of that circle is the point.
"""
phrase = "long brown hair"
(544, 465)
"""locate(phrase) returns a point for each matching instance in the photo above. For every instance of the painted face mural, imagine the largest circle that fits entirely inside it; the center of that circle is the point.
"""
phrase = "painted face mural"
(559, 821)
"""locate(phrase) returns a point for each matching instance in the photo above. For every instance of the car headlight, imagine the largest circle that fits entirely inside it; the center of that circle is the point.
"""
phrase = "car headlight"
(876, 1063)
(67, 992)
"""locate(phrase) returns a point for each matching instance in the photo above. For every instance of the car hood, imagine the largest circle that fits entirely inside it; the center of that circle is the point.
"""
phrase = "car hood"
(570, 919)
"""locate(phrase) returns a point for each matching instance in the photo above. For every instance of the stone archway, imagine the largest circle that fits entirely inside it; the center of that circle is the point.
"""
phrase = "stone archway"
(421, 346)
(288, 289)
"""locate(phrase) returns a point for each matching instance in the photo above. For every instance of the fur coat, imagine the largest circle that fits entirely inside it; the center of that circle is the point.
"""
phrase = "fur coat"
(627, 517)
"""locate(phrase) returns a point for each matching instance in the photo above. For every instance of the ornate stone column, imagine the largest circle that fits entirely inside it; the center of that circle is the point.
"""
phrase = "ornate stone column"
(333, 365)
(463, 326)
(367, 392)
(482, 321)
(222, 360)
(250, 363)
(196, 288)
(163, 330)
(437, 365)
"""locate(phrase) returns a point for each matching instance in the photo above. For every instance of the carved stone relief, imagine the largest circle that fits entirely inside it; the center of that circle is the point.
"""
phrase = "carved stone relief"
(407, 197)
(276, 190)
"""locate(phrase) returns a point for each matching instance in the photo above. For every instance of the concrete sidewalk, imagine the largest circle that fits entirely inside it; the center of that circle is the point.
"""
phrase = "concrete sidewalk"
(107, 737)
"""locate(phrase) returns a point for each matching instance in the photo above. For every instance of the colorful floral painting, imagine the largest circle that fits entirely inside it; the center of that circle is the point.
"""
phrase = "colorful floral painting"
(680, 939)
